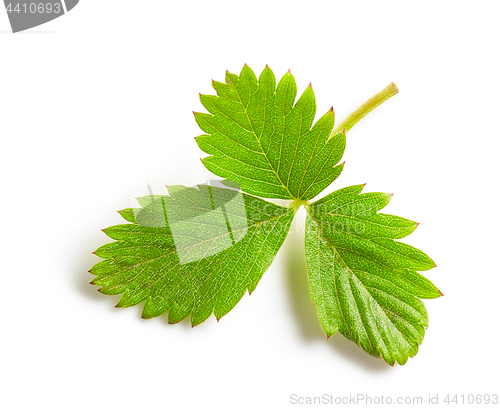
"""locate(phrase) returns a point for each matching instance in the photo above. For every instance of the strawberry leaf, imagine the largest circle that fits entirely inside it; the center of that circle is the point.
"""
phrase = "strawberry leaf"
(197, 251)
(193, 252)
(259, 137)
(363, 282)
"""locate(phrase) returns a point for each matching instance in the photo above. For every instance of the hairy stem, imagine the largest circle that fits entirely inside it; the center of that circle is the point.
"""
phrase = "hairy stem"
(366, 108)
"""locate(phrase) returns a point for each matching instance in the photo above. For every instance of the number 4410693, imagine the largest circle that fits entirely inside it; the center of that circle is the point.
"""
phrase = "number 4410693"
(471, 399)
(34, 8)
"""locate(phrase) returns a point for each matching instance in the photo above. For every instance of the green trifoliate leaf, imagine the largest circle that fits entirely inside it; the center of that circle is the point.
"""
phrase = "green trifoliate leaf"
(363, 282)
(260, 137)
(196, 251)
(193, 252)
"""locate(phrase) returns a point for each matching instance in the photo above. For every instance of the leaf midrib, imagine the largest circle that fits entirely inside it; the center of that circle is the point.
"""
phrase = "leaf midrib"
(260, 144)
(199, 243)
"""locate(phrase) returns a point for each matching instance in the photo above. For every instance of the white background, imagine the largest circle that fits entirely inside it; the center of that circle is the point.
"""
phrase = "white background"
(98, 103)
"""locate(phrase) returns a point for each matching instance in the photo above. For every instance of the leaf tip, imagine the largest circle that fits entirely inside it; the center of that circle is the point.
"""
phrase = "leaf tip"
(118, 306)
(245, 65)
(99, 290)
(331, 110)
(364, 184)
(440, 293)
(195, 113)
(289, 72)
(91, 282)
(94, 253)
(267, 67)
(310, 85)
(328, 336)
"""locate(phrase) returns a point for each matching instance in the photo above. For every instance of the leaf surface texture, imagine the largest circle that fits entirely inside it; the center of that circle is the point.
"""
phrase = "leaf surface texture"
(192, 252)
(260, 137)
(363, 282)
